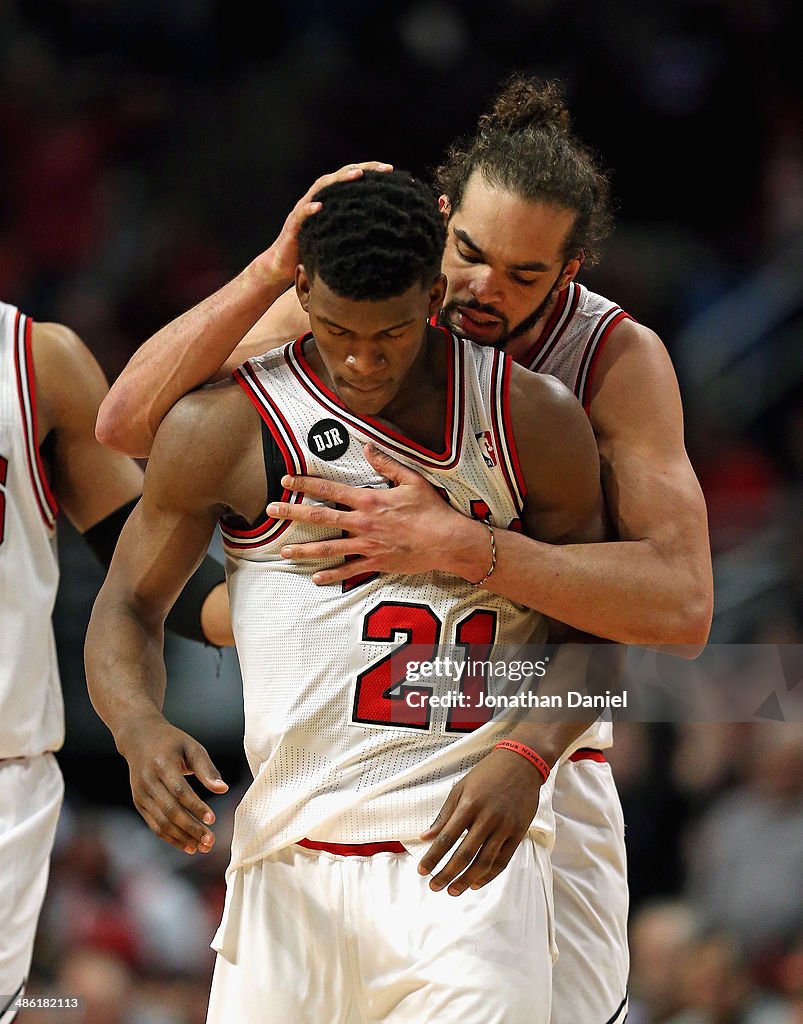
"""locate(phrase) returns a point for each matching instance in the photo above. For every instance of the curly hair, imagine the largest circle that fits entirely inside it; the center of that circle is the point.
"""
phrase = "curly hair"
(525, 145)
(375, 236)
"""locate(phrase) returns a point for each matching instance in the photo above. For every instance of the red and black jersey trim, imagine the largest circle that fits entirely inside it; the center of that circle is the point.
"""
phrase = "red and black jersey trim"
(386, 436)
(502, 427)
(592, 352)
(268, 529)
(26, 391)
(560, 317)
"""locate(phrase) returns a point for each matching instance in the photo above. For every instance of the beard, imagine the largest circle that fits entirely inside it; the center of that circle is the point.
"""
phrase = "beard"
(445, 318)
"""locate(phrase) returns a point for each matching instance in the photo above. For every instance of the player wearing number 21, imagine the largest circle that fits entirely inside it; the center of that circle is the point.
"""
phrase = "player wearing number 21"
(343, 764)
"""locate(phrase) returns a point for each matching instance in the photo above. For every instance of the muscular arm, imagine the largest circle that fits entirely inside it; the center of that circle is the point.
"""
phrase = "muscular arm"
(183, 355)
(90, 481)
(194, 347)
(663, 560)
(160, 546)
(652, 585)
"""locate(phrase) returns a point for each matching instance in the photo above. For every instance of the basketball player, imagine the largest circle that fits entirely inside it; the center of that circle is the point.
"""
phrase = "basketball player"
(526, 205)
(50, 390)
(327, 915)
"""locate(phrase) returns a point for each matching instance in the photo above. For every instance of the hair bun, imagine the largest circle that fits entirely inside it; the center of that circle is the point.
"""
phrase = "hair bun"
(527, 103)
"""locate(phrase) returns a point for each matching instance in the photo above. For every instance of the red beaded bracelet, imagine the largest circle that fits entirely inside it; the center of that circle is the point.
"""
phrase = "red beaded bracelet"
(527, 752)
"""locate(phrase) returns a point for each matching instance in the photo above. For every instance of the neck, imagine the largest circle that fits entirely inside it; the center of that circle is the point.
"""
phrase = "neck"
(427, 371)
(419, 409)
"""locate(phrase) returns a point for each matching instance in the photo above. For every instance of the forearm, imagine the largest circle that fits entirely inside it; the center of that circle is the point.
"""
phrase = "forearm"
(125, 669)
(627, 591)
(182, 356)
(549, 740)
(581, 666)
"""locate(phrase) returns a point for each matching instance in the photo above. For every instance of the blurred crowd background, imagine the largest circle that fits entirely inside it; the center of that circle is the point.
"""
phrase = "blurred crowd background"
(148, 150)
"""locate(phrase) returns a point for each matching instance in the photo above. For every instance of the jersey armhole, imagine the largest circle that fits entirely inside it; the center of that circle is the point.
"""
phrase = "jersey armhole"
(26, 393)
(275, 467)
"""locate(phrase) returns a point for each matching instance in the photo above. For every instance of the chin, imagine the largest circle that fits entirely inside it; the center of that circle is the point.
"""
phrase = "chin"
(369, 407)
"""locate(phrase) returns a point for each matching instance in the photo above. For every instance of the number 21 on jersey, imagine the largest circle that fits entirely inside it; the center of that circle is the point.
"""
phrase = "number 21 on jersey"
(383, 693)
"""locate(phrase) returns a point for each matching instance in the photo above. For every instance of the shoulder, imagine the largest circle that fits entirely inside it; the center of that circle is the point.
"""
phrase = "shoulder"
(631, 351)
(70, 384)
(285, 320)
(58, 351)
(212, 418)
(552, 433)
(257, 352)
(541, 403)
(204, 442)
(634, 383)
(558, 458)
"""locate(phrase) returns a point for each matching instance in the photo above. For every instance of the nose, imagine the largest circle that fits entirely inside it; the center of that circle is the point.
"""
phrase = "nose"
(485, 285)
(365, 358)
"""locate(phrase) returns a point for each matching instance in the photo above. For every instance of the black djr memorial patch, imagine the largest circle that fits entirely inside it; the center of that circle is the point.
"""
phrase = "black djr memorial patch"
(328, 439)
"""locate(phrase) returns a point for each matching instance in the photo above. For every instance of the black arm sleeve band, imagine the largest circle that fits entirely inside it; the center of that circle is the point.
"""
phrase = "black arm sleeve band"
(184, 618)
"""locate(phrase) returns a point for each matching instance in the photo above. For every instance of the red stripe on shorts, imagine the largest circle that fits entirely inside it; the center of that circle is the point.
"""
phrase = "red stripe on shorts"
(587, 754)
(353, 849)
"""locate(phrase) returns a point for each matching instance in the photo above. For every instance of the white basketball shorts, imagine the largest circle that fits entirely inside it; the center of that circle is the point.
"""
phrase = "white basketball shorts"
(31, 791)
(311, 936)
(589, 983)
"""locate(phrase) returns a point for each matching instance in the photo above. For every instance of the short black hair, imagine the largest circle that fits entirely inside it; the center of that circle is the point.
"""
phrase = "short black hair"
(525, 144)
(375, 236)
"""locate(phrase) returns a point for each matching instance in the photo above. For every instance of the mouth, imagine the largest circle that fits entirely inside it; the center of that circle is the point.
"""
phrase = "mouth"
(364, 387)
(474, 324)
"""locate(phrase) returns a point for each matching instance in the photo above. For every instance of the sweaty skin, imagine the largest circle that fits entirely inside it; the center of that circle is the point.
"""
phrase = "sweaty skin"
(170, 529)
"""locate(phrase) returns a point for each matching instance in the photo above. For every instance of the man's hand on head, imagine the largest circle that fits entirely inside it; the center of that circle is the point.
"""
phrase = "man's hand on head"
(281, 259)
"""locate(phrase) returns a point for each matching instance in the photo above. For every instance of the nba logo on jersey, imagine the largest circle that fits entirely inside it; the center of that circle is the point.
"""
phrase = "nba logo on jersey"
(487, 447)
(328, 439)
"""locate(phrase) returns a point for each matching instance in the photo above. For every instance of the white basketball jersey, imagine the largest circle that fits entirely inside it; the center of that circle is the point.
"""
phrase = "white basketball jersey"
(572, 339)
(568, 348)
(342, 744)
(31, 708)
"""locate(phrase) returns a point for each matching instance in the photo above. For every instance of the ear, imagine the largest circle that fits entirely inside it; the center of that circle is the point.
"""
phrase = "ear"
(445, 207)
(569, 272)
(303, 287)
(437, 293)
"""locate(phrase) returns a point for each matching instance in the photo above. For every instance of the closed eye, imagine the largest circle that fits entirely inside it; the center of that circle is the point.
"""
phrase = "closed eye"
(468, 257)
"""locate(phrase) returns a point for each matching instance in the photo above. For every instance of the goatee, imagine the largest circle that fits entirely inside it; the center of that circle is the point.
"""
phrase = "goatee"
(508, 333)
